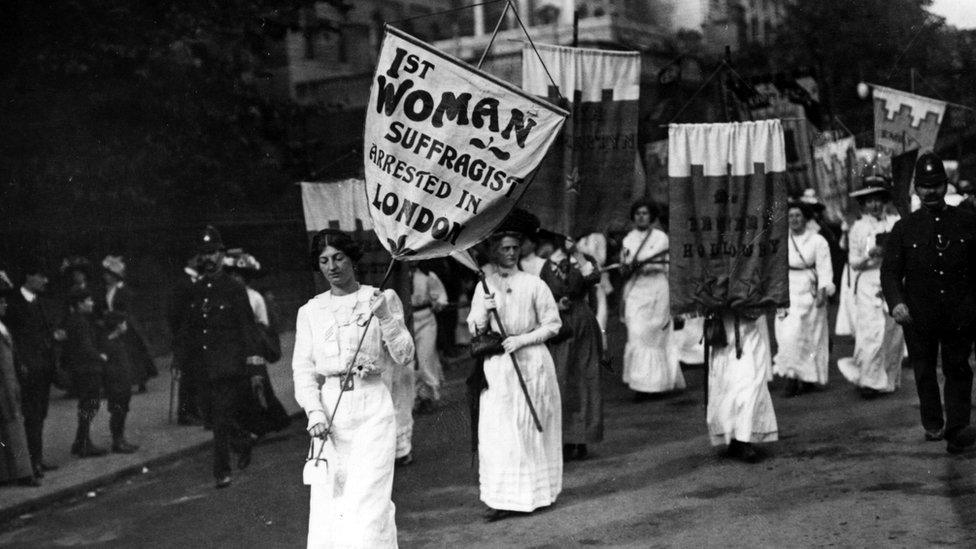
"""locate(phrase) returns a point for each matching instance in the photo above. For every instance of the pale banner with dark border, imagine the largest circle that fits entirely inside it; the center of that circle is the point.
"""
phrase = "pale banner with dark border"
(728, 225)
(448, 149)
(588, 180)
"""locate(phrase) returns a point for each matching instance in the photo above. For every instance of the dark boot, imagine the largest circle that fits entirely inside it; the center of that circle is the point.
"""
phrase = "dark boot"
(117, 426)
(83, 447)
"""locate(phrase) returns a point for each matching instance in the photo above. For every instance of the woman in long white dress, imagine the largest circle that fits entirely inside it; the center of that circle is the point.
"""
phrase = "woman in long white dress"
(519, 468)
(879, 343)
(428, 297)
(802, 335)
(354, 508)
(650, 364)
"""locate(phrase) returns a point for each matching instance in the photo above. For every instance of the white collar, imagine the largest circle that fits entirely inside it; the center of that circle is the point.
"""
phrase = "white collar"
(28, 295)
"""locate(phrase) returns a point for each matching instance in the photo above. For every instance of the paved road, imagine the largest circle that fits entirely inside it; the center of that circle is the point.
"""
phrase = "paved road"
(847, 472)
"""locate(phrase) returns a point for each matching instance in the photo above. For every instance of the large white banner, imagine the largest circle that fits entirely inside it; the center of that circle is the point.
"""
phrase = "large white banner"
(448, 149)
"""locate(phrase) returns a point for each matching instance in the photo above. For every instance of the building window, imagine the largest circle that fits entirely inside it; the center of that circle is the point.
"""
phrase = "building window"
(309, 44)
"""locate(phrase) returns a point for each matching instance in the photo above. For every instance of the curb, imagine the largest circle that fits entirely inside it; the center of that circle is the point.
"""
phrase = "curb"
(9, 514)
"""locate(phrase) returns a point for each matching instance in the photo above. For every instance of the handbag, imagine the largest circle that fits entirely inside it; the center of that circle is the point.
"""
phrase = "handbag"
(320, 463)
(714, 330)
(487, 344)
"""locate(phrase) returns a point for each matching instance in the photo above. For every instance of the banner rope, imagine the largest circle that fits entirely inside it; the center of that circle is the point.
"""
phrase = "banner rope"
(494, 33)
(694, 95)
(532, 43)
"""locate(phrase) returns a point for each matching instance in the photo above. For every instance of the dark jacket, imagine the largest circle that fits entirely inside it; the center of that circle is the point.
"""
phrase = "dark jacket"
(930, 265)
(219, 333)
(139, 360)
(82, 350)
(32, 326)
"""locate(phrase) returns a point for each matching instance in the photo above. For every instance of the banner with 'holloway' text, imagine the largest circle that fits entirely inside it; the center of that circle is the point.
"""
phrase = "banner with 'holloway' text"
(904, 121)
(727, 221)
(589, 179)
(448, 149)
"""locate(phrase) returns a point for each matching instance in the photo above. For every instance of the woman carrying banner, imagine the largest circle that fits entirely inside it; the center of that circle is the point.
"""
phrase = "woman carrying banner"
(577, 347)
(649, 366)
(801, 330)
(353, 509)
(520, 469)
(879, 344)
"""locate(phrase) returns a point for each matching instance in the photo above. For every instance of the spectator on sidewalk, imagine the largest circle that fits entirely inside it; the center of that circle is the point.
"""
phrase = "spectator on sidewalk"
(117, 379)
(86, 360)
(15, 462)
(33, 325)
(220, 345)
(76, 273)
(119, 297)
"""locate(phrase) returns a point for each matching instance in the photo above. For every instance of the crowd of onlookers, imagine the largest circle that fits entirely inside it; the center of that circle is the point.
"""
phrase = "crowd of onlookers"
(81, 337)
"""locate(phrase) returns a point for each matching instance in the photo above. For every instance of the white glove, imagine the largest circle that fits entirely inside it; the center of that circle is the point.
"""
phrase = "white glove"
(490, 301)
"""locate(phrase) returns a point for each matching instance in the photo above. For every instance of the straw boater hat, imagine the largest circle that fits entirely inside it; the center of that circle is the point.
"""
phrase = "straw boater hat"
(809, 198)
(245, 263)
(114, 264)
(873, 184)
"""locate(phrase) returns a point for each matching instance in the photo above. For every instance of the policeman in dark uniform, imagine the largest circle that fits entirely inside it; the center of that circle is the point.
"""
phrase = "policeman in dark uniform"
(221, 346)
(929, 280)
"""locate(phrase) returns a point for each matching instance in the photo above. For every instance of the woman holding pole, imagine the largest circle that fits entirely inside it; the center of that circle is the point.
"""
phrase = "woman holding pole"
(520, 461)
(352, 509)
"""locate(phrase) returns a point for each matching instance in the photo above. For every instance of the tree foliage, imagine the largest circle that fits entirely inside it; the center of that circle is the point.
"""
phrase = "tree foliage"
(876, 41)
(126, 110)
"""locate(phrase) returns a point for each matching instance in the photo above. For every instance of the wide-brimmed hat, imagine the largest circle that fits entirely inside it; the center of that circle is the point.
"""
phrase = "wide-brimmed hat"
(809, 197)
(873, 184)
(76, 263)
(519, 223)
(210, 241)
(245, 263)
(114, 264)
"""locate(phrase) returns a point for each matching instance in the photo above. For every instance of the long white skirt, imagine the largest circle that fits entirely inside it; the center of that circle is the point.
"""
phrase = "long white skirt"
(430, 374)
(846, 312)
(879, 344)
(687, 342)
(357, 511)
(650, 365)
(519, 468)
(802, 335)
(739, 405)
(402, 385)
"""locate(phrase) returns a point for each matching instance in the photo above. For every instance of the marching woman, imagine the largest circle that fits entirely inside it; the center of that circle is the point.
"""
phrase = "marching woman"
(265, 413)
(428, 297)
(576, 349)
(352, 509)
(802, 334)
(879, 343)
(520, 469)
(649, 366)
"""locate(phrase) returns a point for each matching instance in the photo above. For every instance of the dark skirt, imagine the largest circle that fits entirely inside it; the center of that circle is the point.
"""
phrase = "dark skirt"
(263, 413)
(578, 373)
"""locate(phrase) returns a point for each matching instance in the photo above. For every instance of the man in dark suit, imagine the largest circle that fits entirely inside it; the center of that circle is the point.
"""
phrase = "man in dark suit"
(928, 277)
(221, 345)
(35, 331)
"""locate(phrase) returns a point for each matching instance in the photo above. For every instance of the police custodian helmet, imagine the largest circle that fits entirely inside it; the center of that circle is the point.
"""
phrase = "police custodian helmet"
(929, 171)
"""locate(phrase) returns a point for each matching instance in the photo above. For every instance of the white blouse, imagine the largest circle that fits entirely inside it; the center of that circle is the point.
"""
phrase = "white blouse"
(327, 332)
(525, 305)
(810, 251)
